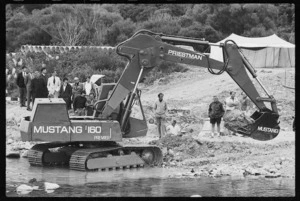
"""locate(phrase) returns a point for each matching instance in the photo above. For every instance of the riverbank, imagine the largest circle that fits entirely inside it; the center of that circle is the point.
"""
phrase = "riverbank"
(200, 155)
(195, 152)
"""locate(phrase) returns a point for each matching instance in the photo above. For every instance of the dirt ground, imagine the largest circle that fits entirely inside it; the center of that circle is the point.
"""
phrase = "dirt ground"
(196, 151)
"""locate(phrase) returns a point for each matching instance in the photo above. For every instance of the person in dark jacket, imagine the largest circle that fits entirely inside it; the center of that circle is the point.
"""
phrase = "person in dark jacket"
(65, 92)
(22, 86)
(36, 86)
(79, 104)
(44, 89)
(215, 113)
(28, 80)
(90, 104)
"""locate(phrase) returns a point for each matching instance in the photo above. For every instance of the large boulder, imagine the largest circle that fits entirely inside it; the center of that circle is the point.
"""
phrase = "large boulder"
(236, 119)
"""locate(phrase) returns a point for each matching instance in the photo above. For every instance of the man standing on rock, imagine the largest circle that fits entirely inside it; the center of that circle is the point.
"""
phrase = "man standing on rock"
(215, 113)
(160, 109)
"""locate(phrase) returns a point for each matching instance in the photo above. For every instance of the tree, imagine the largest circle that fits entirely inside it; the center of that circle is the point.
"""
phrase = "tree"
(70, 31)
(162, 22)
(120, 31)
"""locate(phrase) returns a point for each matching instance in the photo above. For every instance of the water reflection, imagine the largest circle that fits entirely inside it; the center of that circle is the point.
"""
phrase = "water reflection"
(142, 183)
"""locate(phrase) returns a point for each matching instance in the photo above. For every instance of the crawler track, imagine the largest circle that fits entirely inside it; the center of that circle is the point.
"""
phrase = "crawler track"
(94, 159)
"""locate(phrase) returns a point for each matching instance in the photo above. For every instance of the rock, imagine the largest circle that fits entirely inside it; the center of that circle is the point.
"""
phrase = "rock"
(32, 180)
(282, 158)
(250, 171)
(277, 166)
(35, 187)
(9, 141)
(272, 170)
(272, 175)
(13, 154)
(49, 191)
(25, 154)
(50, 186)
(172, 163)
(266, 167)
(24, 189)
(171, 152)
(188, 174)
(164, 150)
(27, 145)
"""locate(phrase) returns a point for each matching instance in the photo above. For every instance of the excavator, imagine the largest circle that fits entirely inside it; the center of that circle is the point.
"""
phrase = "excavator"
(92, 143)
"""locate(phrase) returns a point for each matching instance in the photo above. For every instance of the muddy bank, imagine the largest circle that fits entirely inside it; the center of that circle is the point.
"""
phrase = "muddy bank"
(203, 157)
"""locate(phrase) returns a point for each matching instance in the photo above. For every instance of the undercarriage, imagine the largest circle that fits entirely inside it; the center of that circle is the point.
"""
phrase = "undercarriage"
(89, 156)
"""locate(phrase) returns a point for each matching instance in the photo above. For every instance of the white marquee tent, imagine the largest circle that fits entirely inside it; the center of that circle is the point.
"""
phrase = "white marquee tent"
(270, 51)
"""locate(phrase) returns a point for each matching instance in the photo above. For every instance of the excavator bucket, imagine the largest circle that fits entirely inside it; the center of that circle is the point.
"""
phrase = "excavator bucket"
(265, 126)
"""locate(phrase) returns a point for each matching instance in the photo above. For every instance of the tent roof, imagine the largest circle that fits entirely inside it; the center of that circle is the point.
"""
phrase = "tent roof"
(269, 41)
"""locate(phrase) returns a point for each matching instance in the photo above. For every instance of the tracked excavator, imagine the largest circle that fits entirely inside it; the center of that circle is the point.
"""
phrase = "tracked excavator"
(88, 143)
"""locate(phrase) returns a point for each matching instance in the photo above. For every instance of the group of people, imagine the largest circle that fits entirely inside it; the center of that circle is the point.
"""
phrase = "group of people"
(80, 96)
(216, 111)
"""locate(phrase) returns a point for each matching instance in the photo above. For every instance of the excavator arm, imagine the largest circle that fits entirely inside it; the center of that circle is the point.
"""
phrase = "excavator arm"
(145, 50)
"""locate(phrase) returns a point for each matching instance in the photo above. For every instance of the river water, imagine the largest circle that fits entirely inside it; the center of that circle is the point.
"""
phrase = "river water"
(142, 182)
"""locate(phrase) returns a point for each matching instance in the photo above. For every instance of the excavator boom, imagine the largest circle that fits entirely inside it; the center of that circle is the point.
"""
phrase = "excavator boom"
(145, 50)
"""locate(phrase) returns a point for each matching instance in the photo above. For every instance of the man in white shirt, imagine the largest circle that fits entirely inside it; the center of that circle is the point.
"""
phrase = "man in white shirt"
(88, 86)
(174, 128)
(231, 102)
(53, 85)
